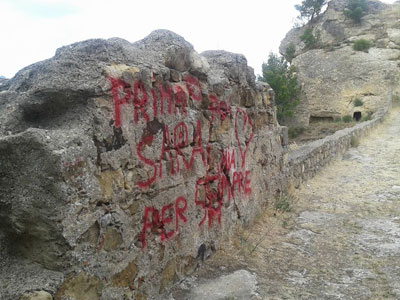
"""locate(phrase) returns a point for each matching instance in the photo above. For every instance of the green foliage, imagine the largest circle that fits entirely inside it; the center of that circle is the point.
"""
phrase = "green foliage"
(338, 120)
(362, 45)
(282, 79)
(290, 52)
(283, 204)
(309, 39)
(358, 102)
(295, 131)
(356, 9)
(347, 119)
(396, 98)
(310, 8)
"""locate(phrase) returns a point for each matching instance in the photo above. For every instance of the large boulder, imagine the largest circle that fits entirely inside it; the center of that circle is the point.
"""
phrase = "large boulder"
(123, 165)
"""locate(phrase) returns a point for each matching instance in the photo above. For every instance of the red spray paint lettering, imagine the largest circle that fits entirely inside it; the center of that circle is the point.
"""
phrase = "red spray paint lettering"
(140, 99)
(193, 87)
(176, 97)
(246, 121)
(220, 108)
(156, 223)
(221, 183)
(120, 87)
(172, 151)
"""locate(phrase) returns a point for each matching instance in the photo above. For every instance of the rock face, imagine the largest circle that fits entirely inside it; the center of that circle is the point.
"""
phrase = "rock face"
(122, 166)
(334, 75)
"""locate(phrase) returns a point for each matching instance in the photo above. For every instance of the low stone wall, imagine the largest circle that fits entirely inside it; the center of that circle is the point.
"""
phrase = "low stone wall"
(306, 161)
(123, 166)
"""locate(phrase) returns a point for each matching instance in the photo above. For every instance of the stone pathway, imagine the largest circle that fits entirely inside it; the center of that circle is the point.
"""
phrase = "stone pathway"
(340, 239)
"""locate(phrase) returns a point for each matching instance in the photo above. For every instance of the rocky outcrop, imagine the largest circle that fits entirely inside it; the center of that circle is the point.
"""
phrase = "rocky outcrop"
(333, 75)
(122, 166)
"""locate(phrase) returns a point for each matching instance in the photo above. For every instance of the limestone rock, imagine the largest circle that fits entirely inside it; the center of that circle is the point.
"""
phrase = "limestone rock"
(333, 75)
(127, 163)
(40, 295)
(80, 287)
(332, 80)
(240, 284)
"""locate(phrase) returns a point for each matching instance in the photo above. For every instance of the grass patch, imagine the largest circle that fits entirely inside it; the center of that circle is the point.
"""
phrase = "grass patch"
(358, 102)
(347, 118)
(283, 204)
(362, 45)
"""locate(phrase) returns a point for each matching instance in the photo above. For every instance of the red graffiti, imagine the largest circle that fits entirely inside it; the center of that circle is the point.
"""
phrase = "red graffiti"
(193, 86)
(181, 99)
(166, 98)
(171, 150)
(226, 177)
(180, 135)
(219, 107)
(120, 88)
(163, 94)
(229, 160)
(140, 99)
(211, 190)
(157, 224)
(241, 182)
(246, 121)
(145, 141)
(210, 203)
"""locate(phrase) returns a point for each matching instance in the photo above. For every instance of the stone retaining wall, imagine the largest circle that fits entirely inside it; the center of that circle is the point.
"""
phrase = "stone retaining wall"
(306, 161)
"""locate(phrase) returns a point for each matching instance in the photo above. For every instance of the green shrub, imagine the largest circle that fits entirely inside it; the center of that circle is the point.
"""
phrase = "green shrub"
(356, 9)
(295, 131)
(290, 52)
(283, 80)
(358, 102)
(309, 39)
(362, 45)
(347, 119)
(396, 98)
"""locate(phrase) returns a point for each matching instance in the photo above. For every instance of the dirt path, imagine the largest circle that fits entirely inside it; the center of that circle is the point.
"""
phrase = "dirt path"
(341, 239)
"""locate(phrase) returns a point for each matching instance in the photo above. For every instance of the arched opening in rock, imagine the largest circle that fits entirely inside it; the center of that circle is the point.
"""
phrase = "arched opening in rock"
(357, 115)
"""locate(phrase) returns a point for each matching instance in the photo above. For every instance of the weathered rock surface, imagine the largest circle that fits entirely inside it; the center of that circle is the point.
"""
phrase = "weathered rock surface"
(123, 165)
(40, 295)
(241, 284)
(334, 75)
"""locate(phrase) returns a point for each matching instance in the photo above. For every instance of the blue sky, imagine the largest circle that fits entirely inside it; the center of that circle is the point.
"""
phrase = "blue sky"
(32, 30)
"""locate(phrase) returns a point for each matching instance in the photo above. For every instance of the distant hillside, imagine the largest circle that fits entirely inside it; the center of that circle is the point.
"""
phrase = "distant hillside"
(337, 80)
